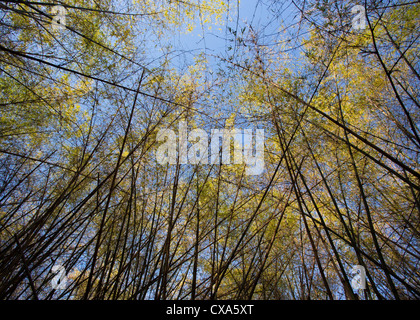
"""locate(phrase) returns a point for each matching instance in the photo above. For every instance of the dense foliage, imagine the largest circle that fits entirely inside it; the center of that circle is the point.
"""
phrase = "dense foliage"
(80, 186)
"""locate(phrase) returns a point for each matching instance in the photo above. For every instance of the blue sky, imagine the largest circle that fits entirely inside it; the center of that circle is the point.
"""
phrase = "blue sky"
(261, 16)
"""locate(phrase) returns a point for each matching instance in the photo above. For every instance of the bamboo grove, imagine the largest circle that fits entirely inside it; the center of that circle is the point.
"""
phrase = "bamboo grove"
(80, 185)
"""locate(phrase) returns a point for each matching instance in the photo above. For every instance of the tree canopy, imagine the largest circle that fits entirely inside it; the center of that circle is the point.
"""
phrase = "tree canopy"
(82, 105)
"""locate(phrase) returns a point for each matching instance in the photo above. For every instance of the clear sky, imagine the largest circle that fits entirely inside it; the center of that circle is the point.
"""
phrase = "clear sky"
(266, 17)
